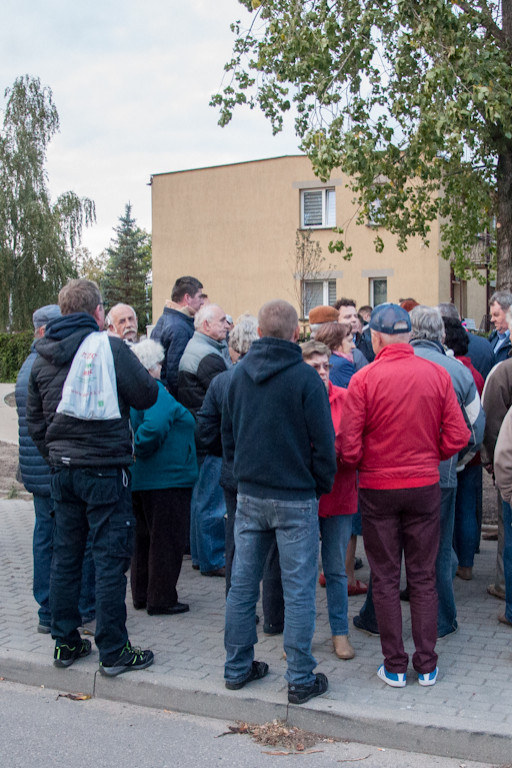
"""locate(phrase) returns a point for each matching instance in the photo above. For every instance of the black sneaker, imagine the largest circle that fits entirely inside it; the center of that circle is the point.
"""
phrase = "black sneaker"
(358, 624)
(258, 670)
(64, 655)
(299, 694)
(130, 658)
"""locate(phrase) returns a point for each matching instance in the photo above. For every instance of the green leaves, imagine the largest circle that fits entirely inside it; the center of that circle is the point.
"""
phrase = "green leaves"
(415, 93)
(37, 237)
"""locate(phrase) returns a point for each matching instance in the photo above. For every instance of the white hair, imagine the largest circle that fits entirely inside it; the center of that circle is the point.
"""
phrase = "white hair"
(244, 333)
(205, 314)
(149, 352)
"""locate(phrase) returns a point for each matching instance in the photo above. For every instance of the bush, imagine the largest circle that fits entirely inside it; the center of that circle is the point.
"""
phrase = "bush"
(14, 348)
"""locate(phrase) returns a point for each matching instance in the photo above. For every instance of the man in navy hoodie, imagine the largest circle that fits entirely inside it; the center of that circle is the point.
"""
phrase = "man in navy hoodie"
(277, 431)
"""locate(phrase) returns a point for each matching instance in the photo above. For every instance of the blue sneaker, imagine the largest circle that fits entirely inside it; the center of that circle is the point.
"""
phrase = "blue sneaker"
(394, 679)
(428, 678)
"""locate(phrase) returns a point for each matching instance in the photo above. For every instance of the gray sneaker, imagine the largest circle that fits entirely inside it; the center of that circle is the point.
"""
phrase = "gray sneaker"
(129, 659)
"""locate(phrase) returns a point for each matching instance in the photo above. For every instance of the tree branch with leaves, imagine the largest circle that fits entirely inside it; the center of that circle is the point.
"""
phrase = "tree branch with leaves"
(412, 93)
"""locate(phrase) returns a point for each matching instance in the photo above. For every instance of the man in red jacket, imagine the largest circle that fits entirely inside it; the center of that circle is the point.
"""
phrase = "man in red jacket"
(401, 419)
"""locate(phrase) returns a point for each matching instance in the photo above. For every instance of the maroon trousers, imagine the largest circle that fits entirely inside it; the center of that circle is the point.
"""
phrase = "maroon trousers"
(394, 521)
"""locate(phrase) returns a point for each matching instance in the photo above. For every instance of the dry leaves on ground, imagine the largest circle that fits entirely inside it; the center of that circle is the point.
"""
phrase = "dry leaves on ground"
(276, 733)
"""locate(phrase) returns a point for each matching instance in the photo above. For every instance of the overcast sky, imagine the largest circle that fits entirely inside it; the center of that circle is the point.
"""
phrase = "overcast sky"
(131, 81)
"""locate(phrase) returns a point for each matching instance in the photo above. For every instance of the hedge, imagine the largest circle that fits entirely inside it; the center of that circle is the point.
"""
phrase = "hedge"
(14, 348)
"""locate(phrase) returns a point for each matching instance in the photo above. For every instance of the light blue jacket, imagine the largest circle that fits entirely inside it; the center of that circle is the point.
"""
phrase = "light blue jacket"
(469, 401)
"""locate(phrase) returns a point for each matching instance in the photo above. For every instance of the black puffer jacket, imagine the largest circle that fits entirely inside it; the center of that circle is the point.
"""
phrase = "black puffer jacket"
(75, 442)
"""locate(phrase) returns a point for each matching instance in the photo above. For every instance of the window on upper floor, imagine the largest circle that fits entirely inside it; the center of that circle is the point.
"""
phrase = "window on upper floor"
(318, 208)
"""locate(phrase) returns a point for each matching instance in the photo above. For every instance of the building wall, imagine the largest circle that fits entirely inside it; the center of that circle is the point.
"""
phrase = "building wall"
(234, 227)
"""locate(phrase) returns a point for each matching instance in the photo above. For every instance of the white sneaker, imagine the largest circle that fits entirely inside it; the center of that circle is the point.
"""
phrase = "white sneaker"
(428, 678)
(394, 679)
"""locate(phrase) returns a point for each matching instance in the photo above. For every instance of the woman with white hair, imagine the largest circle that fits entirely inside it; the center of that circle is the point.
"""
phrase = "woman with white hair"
(163, 475)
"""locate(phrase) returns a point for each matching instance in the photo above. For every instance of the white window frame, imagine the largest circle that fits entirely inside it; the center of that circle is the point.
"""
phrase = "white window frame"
(372, 289)
(325, 291)
(325, 193)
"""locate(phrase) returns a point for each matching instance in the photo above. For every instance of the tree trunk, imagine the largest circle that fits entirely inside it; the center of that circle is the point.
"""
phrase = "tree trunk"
(504, 188)
(504, 223)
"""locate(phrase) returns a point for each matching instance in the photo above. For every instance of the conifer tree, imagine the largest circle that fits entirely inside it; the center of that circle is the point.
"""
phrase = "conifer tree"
(128, 270)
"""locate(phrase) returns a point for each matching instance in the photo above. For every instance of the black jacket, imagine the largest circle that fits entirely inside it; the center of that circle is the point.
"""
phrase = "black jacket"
(68, 441)
(277, 426)
(208, 426)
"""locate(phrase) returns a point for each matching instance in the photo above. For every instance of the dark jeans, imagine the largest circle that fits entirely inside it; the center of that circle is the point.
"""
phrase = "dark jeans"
(466, 534)
(272, 589)
(42, 552)
(99, 500)
(160, 541)
(396, 521)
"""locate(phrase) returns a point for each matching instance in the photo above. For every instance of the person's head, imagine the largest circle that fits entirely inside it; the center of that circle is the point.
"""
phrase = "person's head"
(42, 316)
(447, 309)
(427, 323)
(337, 336)
(279, 320)
(243, 334)
(408, 304)
(499, 303)
(320, 315)
(211, 320)
(456, 337)
(347, 313)
(150, 354)
(389, 324)
(82, 295)
(365, 312)
(122, 321)
(316, 354)
(188, 292)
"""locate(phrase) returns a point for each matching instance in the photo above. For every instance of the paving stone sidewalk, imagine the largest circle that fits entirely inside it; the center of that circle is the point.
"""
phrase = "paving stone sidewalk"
(468, 714)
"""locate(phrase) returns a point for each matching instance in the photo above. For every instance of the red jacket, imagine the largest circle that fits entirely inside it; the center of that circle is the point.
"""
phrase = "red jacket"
(342, 500)
(400, 419)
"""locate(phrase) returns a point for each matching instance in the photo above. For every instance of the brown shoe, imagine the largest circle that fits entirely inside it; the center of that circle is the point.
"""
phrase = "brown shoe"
(464, 572)
(495, 592)
(503, 620)
(342, 647)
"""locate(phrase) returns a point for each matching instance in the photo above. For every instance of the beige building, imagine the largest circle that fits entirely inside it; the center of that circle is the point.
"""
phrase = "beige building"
(235, 228)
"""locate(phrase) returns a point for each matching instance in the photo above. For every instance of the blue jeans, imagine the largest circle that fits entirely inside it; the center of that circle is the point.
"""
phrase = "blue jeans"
(295, 527)
(42, 556)
(336, 532)
(507, 558)
(446, 566)
(465, 536)
(207, 510)
(97, 500)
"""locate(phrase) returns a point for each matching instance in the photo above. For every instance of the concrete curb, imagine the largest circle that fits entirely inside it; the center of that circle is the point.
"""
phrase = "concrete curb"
(401, 730)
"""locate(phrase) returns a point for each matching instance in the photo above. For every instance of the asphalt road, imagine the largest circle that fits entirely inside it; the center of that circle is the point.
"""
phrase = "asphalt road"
(39, 729)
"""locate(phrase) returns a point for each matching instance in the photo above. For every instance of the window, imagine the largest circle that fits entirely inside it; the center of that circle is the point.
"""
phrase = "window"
(374, 214)
(318, 208)
(378, 290)
(318, 292)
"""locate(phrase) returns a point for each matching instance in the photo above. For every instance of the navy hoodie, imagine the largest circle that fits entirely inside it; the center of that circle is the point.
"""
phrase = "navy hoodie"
(276, 424)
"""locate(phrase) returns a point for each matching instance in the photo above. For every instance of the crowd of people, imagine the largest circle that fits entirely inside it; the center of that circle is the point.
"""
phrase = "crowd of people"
(256, 455)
